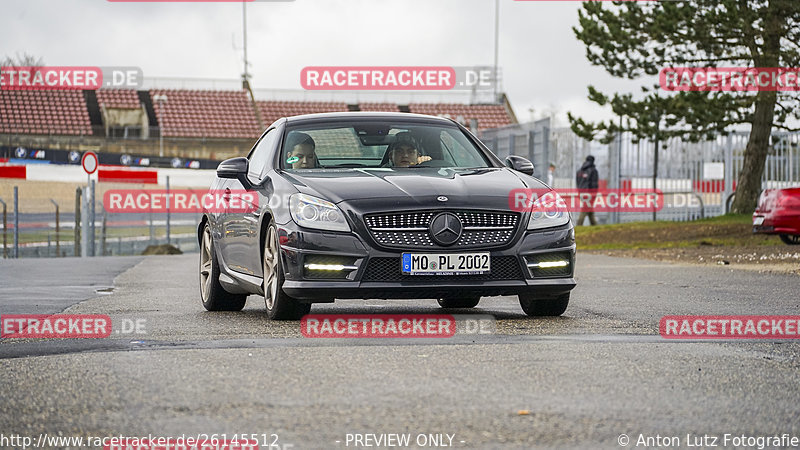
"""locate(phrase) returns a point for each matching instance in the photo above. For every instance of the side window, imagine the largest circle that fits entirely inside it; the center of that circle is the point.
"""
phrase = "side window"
(453, 151)
(261, 154)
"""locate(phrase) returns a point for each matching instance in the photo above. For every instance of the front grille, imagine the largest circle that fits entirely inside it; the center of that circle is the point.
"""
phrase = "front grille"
(388, 269)
(399, 220)
(409, 230)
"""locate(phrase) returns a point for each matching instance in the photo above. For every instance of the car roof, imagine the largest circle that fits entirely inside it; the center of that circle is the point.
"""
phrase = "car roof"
(366, 116)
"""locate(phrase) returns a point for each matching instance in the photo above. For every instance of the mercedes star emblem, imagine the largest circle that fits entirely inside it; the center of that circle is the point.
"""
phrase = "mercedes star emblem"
(446, 228)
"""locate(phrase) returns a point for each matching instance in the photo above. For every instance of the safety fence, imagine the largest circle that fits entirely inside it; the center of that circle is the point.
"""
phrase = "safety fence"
(698, 179)
(32, 226)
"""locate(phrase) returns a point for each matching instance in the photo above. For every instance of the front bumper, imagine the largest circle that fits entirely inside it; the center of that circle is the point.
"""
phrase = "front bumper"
(510, 276)
(777, 222)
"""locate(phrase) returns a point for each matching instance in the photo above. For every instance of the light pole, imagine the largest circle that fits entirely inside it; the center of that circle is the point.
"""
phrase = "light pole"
(245, 75)
(5, 231)
(58, 230)
(76, 243)
(496, 43)
(160, 99)
(16, 222)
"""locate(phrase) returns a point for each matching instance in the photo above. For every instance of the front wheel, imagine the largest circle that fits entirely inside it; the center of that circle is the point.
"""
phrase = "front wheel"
(279, 305)
(790, 239)
(213, 295)
(544, 306)
(459, 302)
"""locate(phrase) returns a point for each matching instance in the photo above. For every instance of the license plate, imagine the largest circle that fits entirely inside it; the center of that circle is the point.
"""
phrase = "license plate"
(445, 263)
(758, 221)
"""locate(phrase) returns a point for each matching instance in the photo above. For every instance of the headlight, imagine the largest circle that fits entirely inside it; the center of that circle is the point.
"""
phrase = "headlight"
(548, 211)
(313, 212)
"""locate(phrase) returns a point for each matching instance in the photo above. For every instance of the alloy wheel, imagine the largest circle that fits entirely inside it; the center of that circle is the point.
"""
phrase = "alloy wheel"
(206, 263)
(270, 268)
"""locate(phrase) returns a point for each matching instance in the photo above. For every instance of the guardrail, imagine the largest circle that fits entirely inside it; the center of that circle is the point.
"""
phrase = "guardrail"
(37, 226)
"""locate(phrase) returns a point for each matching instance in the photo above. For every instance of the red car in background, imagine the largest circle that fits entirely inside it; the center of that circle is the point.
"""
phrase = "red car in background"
(778, 212)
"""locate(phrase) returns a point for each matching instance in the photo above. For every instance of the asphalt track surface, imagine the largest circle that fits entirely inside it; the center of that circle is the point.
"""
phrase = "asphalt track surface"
(599, 371)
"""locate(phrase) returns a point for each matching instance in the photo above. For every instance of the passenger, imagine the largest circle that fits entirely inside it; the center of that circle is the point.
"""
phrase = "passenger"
(301, 151)
(405, 151)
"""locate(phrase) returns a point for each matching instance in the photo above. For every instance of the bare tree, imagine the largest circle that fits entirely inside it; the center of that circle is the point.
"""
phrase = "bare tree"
(21, 60)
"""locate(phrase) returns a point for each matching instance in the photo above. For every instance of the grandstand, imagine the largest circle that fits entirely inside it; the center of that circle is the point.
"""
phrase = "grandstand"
(210, 114)
(488, 116)
(379, 107)
(118, 99)
(44, 112)
(187, 123)
(274, 110)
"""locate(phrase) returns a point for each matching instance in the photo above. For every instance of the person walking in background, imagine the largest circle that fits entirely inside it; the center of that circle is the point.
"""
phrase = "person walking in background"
(551, 171)
(586, 179)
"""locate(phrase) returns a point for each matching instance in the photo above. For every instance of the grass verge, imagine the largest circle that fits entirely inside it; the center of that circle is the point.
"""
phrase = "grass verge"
(727, 230)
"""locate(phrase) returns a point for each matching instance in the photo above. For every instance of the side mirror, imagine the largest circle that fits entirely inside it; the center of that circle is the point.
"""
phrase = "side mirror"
(233, 168)
(520, 164)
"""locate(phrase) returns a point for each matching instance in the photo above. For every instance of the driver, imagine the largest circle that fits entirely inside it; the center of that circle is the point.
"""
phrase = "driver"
(302, 151)
(405, 151)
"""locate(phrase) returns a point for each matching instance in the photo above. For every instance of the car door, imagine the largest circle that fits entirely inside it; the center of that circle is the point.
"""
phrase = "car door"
(216, 215)
(241, 250)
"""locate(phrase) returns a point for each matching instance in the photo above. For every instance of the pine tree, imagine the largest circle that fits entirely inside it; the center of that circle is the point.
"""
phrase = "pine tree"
(635, 40)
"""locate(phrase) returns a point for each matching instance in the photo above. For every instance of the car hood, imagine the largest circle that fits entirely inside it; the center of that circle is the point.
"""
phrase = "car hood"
(423, 186)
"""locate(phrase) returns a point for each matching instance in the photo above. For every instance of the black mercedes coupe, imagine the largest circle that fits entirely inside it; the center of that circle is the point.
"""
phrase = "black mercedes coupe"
(380, 205)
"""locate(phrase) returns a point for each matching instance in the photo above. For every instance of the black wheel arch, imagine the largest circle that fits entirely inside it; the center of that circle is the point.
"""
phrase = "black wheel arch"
(200, 227)
(266, 218)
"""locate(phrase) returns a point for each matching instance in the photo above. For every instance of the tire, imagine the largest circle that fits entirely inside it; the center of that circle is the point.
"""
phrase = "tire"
(279, 305)
(790, 239)
(469, 302)
(212, 294)
(544, 306)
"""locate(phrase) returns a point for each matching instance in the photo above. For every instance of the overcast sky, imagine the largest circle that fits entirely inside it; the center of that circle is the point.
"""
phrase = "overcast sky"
(543, 64)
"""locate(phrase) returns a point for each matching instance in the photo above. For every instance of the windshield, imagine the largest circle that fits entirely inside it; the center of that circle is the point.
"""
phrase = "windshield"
(378, 145)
